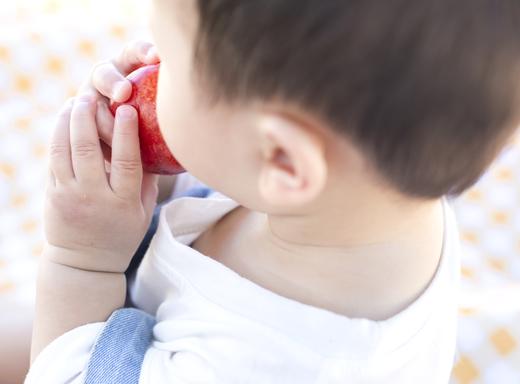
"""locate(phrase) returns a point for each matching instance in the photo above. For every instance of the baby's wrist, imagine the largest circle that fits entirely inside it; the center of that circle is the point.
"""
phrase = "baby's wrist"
(90, 260)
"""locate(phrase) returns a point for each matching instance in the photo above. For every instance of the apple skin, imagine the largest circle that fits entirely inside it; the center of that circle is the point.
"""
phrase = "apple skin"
(155, 155)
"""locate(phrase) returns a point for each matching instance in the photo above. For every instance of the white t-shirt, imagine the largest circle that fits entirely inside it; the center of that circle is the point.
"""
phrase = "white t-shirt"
(214, 326)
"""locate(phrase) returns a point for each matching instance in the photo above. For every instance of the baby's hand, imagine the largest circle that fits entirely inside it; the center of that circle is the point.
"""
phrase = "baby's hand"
(94, 220)
(107, 81)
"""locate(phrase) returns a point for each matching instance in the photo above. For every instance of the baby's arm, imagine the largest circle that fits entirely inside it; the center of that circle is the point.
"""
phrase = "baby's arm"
(68, 297)
(94, 221)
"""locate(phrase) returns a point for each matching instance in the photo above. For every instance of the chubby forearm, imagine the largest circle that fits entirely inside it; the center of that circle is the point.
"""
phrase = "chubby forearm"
(67, 298)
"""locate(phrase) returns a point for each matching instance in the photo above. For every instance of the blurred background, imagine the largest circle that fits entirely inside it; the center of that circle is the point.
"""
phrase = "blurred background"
(47, 48)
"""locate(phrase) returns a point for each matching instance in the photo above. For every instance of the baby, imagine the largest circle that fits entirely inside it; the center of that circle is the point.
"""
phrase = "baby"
(310, 240)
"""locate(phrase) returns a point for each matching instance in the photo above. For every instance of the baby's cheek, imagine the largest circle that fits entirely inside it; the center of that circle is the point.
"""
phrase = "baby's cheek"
(169, 113)
(161, 118)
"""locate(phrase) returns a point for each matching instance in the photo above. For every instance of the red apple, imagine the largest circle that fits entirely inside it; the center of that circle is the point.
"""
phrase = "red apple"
(155, 155)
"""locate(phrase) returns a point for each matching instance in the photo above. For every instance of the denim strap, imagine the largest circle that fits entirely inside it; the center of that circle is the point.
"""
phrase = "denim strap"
(118, 353)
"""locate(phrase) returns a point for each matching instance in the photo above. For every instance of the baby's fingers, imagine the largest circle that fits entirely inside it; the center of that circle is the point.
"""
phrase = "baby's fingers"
(126, 167)
(135, 55)
(109, 82)
(105, 122)
(108, 78)
(87, 157)
(60, 160)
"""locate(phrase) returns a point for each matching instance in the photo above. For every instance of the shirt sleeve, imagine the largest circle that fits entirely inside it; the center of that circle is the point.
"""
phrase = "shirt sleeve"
(65, 359)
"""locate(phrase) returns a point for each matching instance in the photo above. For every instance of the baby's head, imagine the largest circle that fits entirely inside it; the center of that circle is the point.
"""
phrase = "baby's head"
(278, 103)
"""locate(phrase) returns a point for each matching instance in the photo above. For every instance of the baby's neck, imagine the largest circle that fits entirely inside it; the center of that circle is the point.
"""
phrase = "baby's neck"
(371, 263)
(355, 225)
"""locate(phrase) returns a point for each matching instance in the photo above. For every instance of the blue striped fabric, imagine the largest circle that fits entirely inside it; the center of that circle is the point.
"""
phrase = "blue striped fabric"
(118, 353)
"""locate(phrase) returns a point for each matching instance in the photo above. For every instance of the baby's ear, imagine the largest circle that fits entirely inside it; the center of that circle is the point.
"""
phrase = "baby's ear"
(293, 169)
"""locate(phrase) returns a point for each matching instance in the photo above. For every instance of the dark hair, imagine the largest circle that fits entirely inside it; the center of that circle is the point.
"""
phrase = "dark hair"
(427, 89)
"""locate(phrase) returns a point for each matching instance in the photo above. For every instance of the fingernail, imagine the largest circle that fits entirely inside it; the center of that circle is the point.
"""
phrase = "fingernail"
(81, 105)
(84, 98)
(69, 103)
(126, 112)
(67, 107)
(145, 50)
(151, 55)
(120, 90)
